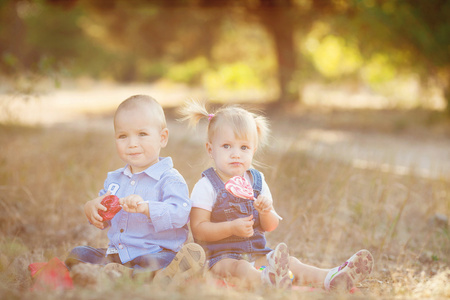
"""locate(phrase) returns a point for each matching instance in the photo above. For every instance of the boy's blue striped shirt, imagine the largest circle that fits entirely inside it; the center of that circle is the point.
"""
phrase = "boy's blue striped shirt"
(134, 234)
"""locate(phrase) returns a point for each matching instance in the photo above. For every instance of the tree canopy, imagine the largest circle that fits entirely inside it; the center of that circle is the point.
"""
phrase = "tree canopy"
(278, 43)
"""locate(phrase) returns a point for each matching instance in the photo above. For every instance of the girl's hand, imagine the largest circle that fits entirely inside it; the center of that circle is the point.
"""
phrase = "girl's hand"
(130, 204)
(263, 205)
(243, 227)
(91, 210)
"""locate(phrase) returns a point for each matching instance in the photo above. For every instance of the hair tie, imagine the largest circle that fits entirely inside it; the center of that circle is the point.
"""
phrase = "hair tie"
(210, 116)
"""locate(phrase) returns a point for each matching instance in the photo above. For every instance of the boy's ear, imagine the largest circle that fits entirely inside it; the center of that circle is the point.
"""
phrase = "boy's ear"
(164, 137)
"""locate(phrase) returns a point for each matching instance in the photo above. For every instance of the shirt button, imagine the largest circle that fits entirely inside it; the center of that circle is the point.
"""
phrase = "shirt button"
(120, 246)
(184, 204)
(133, 182)
(121, 230)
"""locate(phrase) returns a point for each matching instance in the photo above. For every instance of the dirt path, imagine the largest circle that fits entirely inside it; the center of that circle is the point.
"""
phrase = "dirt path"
(91, 108)
(400, 155)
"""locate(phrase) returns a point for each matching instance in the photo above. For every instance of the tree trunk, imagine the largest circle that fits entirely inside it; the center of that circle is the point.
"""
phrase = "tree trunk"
(447, 98)
(13, 39)
(276, 19)
(284, 46)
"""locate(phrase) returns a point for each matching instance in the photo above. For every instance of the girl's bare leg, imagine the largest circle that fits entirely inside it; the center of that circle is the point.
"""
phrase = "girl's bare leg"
(306, 274)
(240, 272)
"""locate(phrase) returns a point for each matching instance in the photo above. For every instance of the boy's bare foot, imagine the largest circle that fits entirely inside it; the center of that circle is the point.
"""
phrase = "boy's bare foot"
(85, 275)
(115, 270)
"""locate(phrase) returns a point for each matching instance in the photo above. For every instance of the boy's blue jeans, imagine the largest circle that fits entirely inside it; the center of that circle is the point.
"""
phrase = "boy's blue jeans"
(145, 263)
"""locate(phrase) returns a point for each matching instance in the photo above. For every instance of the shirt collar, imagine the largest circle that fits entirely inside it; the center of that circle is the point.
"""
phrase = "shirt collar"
(155, 171)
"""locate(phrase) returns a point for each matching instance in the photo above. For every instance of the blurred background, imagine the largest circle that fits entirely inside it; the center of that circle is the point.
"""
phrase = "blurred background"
(345, 53)
(357, 93)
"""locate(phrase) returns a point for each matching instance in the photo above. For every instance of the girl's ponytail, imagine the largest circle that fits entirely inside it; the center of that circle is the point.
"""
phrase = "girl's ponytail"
(241, 120)
(262, 128)
(194, 111)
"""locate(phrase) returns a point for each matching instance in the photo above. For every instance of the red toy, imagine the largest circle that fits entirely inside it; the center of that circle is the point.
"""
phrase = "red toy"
(53, 275)
(111, 202)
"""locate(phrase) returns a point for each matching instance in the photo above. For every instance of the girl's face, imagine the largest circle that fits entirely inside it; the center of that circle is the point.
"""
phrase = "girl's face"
(232, 156)
(138, 139)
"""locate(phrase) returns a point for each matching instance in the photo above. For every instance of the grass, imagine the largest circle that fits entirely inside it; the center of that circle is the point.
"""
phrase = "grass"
(330, 209)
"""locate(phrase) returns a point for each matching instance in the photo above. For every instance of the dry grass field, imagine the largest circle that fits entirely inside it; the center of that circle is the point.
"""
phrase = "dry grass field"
(342, 180)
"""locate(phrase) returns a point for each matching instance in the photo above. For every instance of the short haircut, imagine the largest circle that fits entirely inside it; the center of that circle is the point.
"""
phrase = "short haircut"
(140, 101)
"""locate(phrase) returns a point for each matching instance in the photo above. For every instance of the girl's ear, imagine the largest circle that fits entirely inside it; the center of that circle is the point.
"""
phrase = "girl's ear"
(164, 137)
(209, 149)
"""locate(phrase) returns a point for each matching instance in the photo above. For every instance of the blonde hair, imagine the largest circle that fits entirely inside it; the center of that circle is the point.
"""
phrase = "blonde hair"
(244, 123)
(140, 101)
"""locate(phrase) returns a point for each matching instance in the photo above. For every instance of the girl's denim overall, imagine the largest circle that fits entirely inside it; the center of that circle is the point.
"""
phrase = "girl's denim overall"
(228, 208)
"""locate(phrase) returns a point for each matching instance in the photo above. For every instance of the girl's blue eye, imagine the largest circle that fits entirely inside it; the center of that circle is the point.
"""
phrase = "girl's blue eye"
(143, 134)
(244, 147)
(226, 146)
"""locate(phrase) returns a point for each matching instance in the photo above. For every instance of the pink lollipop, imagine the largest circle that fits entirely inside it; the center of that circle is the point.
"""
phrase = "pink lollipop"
(240, 187)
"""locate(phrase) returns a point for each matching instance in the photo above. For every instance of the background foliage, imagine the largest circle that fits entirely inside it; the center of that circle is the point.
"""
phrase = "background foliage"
(272, 45)
(343, 179)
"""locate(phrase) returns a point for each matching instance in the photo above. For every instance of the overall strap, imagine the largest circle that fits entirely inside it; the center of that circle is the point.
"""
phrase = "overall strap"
(215, 180)
(257, 181)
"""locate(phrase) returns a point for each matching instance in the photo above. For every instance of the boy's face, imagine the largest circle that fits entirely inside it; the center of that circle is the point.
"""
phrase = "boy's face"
(139, 138)
(232, 156)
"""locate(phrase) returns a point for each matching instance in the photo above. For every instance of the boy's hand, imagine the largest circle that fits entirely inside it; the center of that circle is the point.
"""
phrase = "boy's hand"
(263, 205)
(243, 227)
(130, 204)
(91, 210)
